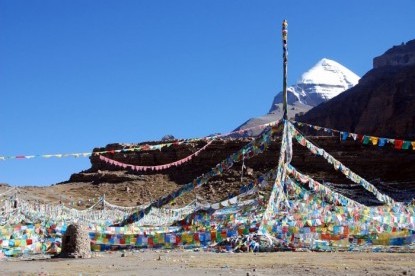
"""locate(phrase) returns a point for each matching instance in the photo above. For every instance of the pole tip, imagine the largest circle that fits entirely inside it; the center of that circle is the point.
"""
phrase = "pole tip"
(284, 23)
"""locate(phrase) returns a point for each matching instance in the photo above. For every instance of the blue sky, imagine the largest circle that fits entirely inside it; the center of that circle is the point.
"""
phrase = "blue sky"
(75, 75)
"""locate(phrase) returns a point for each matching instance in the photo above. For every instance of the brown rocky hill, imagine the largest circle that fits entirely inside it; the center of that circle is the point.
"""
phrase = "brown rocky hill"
(387, 168)
(390, 170)
(381, 104)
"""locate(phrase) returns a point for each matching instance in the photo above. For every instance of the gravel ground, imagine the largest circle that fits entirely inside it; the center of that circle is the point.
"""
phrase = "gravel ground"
(206, 263)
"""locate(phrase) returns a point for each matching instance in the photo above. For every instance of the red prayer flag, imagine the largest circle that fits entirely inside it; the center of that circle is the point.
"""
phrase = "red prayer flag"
(398, 144)
(196, 236)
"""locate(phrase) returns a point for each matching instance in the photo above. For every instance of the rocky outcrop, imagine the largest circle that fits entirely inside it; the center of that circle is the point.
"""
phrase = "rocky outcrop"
(401, 55)
(380, 105)
(101, 171)
(385, 165)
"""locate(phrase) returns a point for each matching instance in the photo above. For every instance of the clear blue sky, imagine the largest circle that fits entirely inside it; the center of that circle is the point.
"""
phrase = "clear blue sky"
(75, 75)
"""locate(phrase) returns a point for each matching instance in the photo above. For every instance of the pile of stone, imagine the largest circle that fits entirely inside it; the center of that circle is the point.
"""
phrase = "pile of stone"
(75, 243)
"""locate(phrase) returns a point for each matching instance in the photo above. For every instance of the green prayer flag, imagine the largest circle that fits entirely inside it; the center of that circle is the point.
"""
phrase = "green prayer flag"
(406, 144)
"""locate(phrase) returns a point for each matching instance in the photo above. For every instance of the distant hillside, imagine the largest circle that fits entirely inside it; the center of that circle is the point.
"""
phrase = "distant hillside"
(381, 104)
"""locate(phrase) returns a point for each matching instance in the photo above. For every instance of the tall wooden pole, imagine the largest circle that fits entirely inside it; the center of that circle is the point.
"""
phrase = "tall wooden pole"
(285, 61)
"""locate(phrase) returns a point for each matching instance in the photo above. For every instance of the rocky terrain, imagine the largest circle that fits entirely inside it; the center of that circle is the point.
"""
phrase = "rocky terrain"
(381, 104)
(401, 55)
(389, 169)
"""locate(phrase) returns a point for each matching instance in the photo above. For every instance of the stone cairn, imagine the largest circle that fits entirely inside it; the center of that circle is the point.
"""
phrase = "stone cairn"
(75, 243)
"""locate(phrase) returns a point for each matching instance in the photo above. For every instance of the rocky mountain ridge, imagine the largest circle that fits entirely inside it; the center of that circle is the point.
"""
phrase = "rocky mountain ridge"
(401, 55)
(382, 104)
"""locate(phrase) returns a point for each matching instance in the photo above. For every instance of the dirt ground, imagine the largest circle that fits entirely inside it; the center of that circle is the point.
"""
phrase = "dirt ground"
(178, 262)
(83, 195)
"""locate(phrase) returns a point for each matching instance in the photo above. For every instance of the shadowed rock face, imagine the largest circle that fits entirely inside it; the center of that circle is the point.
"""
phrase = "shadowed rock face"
(382, 104)
(401, 55)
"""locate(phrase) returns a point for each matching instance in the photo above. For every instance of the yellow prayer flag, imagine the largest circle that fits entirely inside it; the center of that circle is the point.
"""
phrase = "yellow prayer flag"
(374, 140)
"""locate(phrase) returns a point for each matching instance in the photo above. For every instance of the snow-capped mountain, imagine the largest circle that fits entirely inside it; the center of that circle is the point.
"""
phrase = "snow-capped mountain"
(324, 81)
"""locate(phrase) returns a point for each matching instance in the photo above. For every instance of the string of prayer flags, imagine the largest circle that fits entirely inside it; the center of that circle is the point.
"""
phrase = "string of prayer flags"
(277, 195)
(154, 168)
(252, 149)
(145, 147)
(365, 139)
(95, 153)
(320, 188)
(339, 166)
(301, 212)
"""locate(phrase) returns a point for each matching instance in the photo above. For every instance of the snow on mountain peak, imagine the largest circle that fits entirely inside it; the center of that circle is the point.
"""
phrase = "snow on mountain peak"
(329, 72)
(325, 80)
(328, 79)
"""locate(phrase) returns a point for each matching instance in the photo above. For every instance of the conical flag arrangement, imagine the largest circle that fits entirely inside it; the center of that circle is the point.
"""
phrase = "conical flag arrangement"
(301, 209)
(298, 213)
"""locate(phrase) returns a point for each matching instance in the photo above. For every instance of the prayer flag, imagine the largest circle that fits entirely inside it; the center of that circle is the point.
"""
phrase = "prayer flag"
(406, 145)
(398, 144)
(344, 135)
(382, 142)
